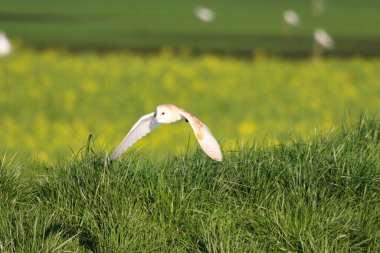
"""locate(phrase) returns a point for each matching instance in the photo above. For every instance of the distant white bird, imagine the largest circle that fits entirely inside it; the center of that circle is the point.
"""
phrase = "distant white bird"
(5, 45)
(323, 38)
(204, 14)
(291, 18)
(166, 114)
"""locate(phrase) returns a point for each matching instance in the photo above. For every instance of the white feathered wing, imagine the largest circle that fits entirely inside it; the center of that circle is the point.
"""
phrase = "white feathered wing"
(142, 127)
(205, 139)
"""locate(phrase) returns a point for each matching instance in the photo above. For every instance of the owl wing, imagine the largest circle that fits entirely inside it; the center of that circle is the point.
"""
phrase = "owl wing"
(141, 128)
(205, 139)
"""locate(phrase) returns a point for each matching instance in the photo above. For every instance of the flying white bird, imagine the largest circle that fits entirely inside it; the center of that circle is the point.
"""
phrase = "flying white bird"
(166, 114)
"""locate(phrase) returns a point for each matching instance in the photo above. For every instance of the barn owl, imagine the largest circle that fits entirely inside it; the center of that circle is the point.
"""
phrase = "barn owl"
(166, 114)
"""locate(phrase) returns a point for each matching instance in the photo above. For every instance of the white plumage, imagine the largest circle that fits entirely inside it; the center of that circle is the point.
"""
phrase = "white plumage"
(166, 114)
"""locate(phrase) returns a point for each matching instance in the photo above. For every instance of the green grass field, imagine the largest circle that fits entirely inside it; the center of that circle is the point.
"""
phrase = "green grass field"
(239, 27)
(320, 195)
(294, 178)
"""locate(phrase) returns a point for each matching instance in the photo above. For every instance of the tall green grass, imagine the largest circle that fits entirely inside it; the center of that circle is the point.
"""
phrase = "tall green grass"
(320, 195)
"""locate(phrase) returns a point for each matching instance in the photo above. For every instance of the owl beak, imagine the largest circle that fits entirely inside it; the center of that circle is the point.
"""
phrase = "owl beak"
(155, 114)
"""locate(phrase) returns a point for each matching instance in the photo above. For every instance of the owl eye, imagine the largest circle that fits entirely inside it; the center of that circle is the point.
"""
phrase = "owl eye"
(162, 113)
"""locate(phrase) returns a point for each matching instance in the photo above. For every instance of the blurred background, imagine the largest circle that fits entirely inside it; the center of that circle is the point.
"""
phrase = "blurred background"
(251, 70)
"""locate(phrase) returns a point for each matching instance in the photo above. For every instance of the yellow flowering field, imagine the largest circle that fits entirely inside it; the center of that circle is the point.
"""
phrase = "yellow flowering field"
(50, 101)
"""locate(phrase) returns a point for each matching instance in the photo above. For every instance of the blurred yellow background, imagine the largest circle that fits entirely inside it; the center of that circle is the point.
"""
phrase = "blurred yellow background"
(52, 100)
